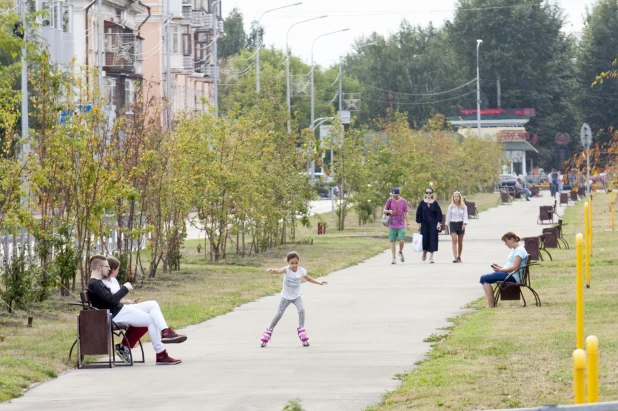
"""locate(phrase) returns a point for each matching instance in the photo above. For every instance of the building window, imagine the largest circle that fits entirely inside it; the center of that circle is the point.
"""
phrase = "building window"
(129, 92)
(47, 20)
(67, 19)
(175, 39)
(186, 42)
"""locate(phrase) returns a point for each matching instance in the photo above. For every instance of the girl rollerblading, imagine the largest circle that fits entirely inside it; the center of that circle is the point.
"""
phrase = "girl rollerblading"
(290, 294)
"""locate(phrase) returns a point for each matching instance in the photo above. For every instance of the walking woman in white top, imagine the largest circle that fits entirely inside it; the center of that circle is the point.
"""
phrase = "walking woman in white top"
(456, 220)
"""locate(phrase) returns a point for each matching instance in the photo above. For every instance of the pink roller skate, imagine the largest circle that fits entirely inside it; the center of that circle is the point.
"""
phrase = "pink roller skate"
(303, 336)
(266, 337)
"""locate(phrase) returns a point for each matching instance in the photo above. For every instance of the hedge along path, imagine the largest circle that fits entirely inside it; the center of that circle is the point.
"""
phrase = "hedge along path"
(522, 357)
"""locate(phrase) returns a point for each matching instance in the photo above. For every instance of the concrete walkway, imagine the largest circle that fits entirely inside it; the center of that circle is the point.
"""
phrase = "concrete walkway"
(366, 326)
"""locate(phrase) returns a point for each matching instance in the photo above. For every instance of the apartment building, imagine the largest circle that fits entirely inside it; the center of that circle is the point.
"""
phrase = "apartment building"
(189, 51)
(138, 40)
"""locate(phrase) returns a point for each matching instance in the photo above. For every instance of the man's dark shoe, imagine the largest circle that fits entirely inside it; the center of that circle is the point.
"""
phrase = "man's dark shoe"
(164, 359)
(124, 353)
(169, 336)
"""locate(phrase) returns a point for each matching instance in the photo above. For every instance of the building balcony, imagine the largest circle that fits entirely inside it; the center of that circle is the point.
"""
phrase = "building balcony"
(201, 19)
(123, 53)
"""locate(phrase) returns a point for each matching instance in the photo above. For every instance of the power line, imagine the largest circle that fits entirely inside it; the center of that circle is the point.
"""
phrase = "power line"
(421, 95)
(420, 104)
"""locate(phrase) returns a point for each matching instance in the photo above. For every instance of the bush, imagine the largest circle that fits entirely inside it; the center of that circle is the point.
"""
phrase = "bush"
(19, 280)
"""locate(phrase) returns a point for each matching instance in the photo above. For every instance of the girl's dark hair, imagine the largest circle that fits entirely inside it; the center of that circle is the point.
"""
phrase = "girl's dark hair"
(291, 255)
(113, 263)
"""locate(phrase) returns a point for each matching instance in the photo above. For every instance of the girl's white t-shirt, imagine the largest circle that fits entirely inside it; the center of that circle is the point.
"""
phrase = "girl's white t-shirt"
(112, 284)
(291, 282)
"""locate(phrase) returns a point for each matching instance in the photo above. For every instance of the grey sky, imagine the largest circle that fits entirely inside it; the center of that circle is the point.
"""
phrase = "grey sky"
(362, 17)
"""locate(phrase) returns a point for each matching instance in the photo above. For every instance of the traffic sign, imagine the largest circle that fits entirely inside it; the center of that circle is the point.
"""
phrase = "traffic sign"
(586, 135)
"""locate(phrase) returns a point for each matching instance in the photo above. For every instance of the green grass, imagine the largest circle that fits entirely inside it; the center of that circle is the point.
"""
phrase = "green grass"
(196, 293)
(513, 357)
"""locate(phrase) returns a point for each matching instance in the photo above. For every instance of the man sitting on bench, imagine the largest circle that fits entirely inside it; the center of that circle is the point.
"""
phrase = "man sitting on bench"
(151, 317)
(521, 188)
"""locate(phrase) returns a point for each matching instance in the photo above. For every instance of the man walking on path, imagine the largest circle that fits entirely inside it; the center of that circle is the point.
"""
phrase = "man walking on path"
(397, 208)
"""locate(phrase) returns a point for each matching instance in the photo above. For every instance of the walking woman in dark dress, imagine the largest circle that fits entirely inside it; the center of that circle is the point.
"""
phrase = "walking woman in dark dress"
(429, 219)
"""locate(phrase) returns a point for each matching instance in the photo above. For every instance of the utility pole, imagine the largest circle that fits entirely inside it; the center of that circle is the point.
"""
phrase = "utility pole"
(340, 85)
(25, 146)
(287, 68)
(168, 74)
(478, 90)
(499, 91)
(216, 65)
(258, 45)
(100, 48)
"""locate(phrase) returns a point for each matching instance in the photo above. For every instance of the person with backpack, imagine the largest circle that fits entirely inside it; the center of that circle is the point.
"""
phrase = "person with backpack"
(397, 208)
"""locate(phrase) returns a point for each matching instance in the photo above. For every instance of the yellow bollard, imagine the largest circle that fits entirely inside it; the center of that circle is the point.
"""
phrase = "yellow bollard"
(592, 353)
(579, 369)
(587, 238)
(590, 226)
(579, 292)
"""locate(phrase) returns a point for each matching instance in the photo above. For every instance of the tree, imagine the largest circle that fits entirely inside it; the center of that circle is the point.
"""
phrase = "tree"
(596, 53)
(250, 45)
(235, 38)
(411, 71)
(525, 51)
(239, 79)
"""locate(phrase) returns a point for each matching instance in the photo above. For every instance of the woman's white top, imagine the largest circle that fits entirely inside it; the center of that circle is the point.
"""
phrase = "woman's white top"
(455, 214)
(291, 283)
(112, 284)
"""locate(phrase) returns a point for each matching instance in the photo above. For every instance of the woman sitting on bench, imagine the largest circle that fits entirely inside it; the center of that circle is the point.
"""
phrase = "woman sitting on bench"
(517, 260)
(149, 316)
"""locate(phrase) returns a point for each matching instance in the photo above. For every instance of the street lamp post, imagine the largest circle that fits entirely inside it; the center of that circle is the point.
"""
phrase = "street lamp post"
(216, 57)
(312, 92)
(257, 44)
(478, 90)
(373, 43)
(287, 67)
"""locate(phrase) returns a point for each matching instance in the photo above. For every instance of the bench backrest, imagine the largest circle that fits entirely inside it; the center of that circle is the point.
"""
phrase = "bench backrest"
(84, 298)
(532, 246)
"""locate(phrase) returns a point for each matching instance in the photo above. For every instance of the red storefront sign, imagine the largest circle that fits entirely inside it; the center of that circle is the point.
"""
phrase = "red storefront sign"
(488, 112)
(512, 136)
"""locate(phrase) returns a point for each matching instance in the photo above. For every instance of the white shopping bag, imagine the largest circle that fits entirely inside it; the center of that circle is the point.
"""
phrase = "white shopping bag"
(417, 242)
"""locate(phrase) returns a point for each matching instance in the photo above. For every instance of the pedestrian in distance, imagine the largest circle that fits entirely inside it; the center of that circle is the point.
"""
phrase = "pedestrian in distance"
(516, 260)
(290, 294)
(429, 219)
(397, 208)
(553, 182)
(102, 298)
(134, 334)
(560, 183)
(456, 220)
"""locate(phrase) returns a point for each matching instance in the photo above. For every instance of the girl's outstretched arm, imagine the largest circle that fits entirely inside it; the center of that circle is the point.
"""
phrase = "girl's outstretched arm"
(314, 281)
(276, 270)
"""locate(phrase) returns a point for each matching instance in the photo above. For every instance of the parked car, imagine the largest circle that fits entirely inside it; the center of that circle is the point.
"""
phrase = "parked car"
(507, 180)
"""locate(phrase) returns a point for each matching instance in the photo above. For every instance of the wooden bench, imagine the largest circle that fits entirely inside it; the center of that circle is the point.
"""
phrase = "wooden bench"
(512, 291)
(505, 198)
(564, 199)
(535, 248)
(95, 336)
(472, 211)
(546, 215)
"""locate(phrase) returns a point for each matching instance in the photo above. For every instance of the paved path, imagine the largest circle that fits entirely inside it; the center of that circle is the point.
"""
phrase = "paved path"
(366, 325)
